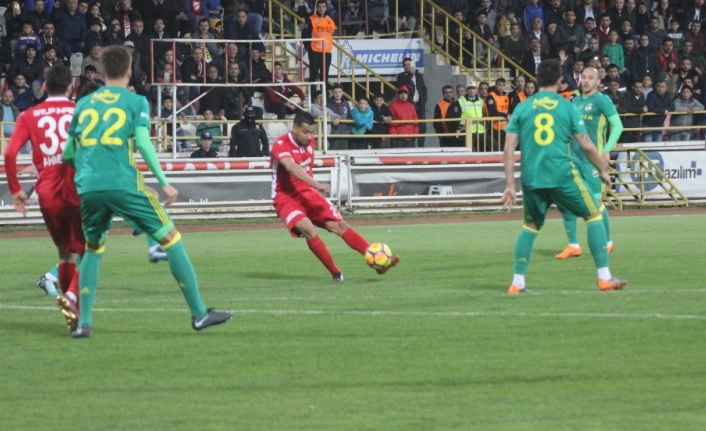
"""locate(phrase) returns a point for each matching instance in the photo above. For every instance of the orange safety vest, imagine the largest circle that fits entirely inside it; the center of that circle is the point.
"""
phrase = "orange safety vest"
(444, 107)
(522, 96)
(568, 95)
(322, 27)
(502, 104)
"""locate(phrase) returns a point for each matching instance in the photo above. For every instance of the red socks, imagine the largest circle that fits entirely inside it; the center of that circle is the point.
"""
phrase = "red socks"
(319, 249)
(355, 241)
(66, 274)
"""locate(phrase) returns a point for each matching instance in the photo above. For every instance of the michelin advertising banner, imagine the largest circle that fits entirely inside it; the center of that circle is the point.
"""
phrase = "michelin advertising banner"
(384, 56)
(685, 169)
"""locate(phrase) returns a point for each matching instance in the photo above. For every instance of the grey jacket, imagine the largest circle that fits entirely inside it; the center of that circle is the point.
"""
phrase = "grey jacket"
(344, 112)
(681, 105)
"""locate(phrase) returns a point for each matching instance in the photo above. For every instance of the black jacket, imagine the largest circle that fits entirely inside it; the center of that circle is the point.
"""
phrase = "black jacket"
(203, 154)
(405, 78)
(190, 68)
(142, 47)
(248, 140)
(629, 104)
(527, 62)
(657, 104)
(235, 99)
(379, 127)
(215, 99)
(644, 62)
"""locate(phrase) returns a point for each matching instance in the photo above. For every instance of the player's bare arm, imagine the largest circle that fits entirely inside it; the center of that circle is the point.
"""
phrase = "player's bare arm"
(592, 153)
(299, 173)
(509, 198)
(19, 200)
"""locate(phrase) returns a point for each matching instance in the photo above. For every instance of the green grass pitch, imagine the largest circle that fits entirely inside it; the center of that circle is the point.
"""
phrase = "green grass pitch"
(436, 344)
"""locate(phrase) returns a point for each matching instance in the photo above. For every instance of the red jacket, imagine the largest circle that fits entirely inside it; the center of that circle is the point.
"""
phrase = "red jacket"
(663, 59)
(403, 111)
(272, 98)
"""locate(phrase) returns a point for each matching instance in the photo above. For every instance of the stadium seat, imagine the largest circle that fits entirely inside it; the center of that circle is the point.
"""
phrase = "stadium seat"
(76, 62)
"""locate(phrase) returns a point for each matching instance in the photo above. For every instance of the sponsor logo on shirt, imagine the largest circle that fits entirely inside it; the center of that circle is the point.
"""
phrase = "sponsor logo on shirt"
(545, 102)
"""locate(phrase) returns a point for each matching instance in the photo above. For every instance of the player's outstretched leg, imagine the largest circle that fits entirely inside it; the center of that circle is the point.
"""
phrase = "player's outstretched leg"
(606, 226)
(49, 281)
(304, 227)
(88, 280)
(69, 302)
(574, 248)
(183, 272)
(597, 243)
(155, 251)
(523, 253)
(356, 241)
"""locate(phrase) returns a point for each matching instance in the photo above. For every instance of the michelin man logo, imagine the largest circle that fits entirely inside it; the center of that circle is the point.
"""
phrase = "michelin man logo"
(345, 63)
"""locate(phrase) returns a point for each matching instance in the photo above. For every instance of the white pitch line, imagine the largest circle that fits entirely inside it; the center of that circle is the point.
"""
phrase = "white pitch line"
(392, 313)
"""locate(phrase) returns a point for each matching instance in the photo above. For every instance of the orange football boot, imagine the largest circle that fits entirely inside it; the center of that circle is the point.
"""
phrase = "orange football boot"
(568, 252)
(612, 284)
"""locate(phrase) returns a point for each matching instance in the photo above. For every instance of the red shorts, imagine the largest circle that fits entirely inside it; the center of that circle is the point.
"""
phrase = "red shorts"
(308, 204)
(64, 225)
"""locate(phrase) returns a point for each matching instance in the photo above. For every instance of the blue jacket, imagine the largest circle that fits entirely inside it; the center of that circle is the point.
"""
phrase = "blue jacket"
(70, 28)
(531, 12)
(362, 120)
(48, 5)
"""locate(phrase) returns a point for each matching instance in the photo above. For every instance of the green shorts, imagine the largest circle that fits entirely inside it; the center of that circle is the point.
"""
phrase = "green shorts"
(141, 210)
(572, 197)
(590, 177)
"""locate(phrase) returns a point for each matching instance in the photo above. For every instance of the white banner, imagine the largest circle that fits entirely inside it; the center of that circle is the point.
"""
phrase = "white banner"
(383, 56)
(683, 168)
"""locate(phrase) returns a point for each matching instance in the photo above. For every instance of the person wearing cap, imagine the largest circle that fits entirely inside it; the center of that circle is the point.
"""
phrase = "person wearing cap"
(94, 59)
(89, 77)
(28, 65)
(27, 37)
(442, 110)
(414, 81)
(96, 35)
(402, 109)
(205, 152)
(471, 106)
(137, 79)
(141, 41)
(248, 137)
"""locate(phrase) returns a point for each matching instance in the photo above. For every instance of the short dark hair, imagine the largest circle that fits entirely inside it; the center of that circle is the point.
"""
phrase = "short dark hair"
(500, 80)
(589, 19)
(667, 39)
(320, 1)
(277, 63)
(58, 79)
(317, 93)
(612, 66)
(548, 73)
(481, 12)
(203, 20)
(379, 95)
(304, 117)
(364, 98)
(49, 46)
(116, 60)
(336, 86)
(48, 22)
(686, 87)
(90, 88)
(446, 87)
(406, 59)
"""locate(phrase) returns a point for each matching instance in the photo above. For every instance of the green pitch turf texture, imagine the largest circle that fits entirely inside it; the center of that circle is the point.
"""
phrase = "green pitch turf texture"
(434, 344)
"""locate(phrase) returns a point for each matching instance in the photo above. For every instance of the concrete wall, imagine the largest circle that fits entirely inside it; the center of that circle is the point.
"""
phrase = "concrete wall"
(436, 76)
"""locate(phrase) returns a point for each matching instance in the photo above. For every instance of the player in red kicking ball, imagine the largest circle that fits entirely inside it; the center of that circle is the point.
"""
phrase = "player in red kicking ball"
(46, 127)
(297, 198)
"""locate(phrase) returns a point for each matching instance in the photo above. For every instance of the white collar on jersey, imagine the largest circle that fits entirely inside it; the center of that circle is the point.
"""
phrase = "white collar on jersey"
(57, 99)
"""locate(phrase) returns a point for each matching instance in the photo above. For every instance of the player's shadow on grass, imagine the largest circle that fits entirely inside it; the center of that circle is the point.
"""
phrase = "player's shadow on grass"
(275, 276)
(546, 252)
(36, 328)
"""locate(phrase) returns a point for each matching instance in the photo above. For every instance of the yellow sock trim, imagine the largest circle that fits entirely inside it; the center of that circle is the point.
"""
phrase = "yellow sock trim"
(602, 208)
(599, 218)
(99, 250)
(524, 226)
(174, 240)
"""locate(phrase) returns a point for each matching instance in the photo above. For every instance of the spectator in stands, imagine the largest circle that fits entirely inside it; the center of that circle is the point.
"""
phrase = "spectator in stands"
(666, 53)
(167, 90)
(173, 15)
(115, 35)
(258, 66)
(587, 10)
(589, 31)
(629, 54)
(39, 94)
(531, 59)
(696, 11)
(530, 89)
(497, 105)
(554, 13)
(193, 70)
(248, 138)
(27, 37)
(514, 46)
(591, 52)
(573, 34)
(659, 102)
(362, 116)
(237, 98)
(482, 29)
(655, 34)
(142, 44)
(138, 77)
(625, 32)
(613, 73)
(554, 38)
(697, 61)
(379, 16)
(507, 19)
(342, 108)
(63, 50)
(408, 16)
(351, 14)
(21, 92)
(159, 33)
(414, 81)
(447, 107)
(241, 30)
(38, 16)
(317, 110)
(94, 59)
(603, 31)
(13, 20)
(205, 151)
(676, 34)
(532, 11)
(125, 14)
(460, 91)
(382, 116)
(646, 86)
(303, 9)
(70, 25)
(213, 98)
(536, 32)
(614, 50)
(573, 78)
(210, 49)
(167, 110)
(633, 102)
(483, 88)
(642, 19)
(631, 9)
(215, 129)
(83, 7)
(618, 13)
(211, 9)
(95, 36)
(486, 7)
(696, 37)
(5, 53)
(645, 61)
(28, 65)
(94, 12)
(276, 98)
(167, 58)
(402, 109)
(89, 77)
(684, 103)
(670, 77)
(319, 25)
(686, 71)
(612, 92)
(232, 55)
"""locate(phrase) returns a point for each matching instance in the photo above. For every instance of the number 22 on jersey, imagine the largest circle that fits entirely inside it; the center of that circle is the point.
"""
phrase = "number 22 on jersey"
(93, 117)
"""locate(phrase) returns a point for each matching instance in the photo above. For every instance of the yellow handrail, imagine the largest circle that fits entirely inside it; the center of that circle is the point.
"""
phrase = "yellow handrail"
(435, 10)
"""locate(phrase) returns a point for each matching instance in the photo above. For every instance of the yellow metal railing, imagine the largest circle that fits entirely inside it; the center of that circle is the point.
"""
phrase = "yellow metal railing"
(436, 23)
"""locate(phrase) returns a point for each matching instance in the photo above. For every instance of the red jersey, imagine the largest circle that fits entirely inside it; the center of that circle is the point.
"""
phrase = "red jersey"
(46, 126)
(283, 181)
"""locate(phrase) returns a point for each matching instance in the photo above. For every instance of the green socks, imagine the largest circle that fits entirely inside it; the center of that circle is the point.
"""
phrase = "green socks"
(523, 249)
(606, 224)
(570, 227)
(151, 243)
(183, 271)
(87, 283)
(597, 242)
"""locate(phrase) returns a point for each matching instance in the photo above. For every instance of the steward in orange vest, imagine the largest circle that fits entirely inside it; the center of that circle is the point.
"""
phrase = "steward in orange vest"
(498, 104)
(446, 108)
(321, 26)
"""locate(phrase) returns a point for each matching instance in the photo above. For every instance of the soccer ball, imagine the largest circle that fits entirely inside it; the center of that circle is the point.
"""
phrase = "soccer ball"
(378, 256)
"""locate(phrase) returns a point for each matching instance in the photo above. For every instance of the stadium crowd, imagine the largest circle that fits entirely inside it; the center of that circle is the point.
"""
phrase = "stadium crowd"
(650, 58)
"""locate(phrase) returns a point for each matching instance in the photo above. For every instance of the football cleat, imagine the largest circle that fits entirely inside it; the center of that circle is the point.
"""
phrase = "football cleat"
(394, 260)
(514, 290)
(84, 331)
(69, 310)
(157, 255)
(48, 286)
(612, 284)
(338, 277)
(568, 252)
(211, 318)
